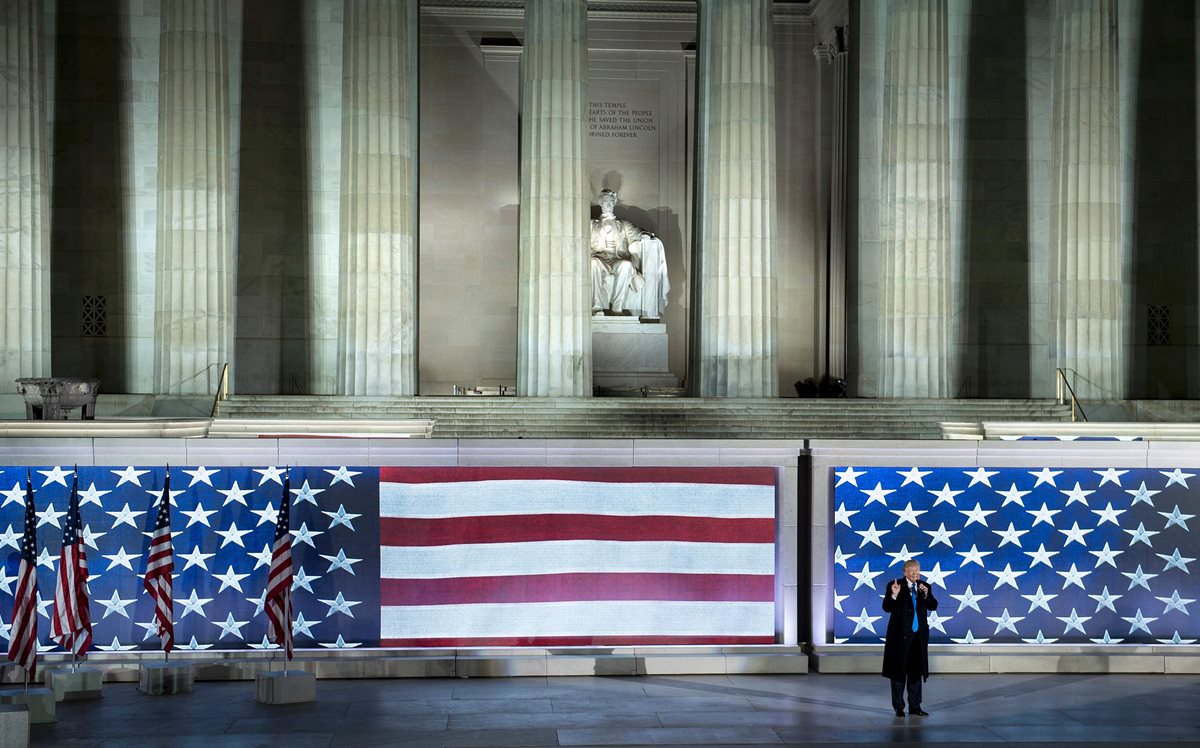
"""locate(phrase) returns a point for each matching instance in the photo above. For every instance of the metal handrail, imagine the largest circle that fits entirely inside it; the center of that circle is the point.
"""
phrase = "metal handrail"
(1062, 382)
(222, 389)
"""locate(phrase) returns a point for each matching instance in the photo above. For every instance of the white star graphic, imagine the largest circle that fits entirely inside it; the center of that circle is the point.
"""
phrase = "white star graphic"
(45, 559)
(116, 604)
(944, 495)
(1110, 475)
(1106, 556)
(1108, 514)
(10, 538)
(268, 515)
(55, 475)
(91, 495)
(1045, 475)
(1141, 535)
(1138, 622)
(1141, 494)
(6, 581)
(44, 604)
(871, 535)
(1074, 621)
(1176, 640)
(1106, 639)
(341, 561)
(201, 475)
(196, 558)
(194, 604)
(1175, 561)
(969, 639)
(230, 579)
(49, 516)
(230, 626)
(194, 645)
(839, 558)
(1013, 496)
(864, 621)
(1011, 535)
(937, 621)
(1106, 600)
(303, 579)
(907, 514)
(14, 495)
(941, 535)
(1075, 535)
(264, 644)
(902, 555)
(235, 493)
(116, 646)
(262, 558)
(151, 628)
(837, 601)
(1006, 576)
(90, 536)
(124, 516)
(1175, 602)
(340, 644)
(199, 514)
(302, 626)
(981, 475)
(1073, 576)
(232, 535)
(1076, 494)
(1039, 599)
(260, 602)
(129, 475)
(306, 493)
(1005, 621)
(304, 535)
(1040, 556)
(340, 605)
(973, 556)
(841, 515)
(157, 494)
(1177, 518)
(120, 558)
(342, 517)
(978, 514)
(878, 493)
(848, 475)
(273, 473)
(937, 576)
(866, 577)
(1139, 578)
(1045, 514)
(342, 475)
(1176, 476)
(914, 475)
(1039, 639)
(968, 599)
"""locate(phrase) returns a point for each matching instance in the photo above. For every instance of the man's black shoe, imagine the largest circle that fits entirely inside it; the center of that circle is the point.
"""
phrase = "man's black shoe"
(918, 712)
(899, 712)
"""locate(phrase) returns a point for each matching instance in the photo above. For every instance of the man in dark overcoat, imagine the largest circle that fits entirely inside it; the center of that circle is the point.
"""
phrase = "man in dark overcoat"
(908, 601)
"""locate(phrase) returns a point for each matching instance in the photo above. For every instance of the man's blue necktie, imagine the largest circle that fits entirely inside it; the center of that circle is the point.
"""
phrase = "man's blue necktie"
(913, 589)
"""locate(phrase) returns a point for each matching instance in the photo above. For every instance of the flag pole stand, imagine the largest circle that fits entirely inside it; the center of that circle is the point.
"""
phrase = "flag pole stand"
(39, 702)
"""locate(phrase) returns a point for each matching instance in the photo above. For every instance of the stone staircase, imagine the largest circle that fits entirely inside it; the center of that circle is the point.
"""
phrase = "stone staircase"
(649, 418)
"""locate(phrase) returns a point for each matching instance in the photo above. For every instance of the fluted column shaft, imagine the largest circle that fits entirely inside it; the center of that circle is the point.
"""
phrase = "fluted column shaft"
(24, 198)
(738, 346)
(194, 295)
(377, 344)
(916, 311)
(554, 346)
(1085, 272)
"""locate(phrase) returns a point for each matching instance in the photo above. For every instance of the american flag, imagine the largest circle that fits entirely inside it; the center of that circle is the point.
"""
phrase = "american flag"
(279, 579)
(576, 556)
(22, 635)
(71, 626)
(160, 568)
(1021, 555)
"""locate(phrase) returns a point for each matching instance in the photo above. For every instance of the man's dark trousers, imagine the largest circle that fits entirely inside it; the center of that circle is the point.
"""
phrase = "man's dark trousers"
(914, 684)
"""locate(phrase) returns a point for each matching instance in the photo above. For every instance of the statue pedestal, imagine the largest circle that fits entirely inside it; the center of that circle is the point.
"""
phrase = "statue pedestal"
(628, 353)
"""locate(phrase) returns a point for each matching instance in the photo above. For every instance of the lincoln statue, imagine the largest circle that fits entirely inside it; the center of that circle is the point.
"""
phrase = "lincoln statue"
(629, 268)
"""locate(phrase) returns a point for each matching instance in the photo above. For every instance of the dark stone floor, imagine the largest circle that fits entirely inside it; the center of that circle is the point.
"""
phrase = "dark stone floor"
(808, 710)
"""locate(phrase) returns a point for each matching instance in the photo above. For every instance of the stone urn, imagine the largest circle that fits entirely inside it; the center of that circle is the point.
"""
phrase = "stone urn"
(49, 398)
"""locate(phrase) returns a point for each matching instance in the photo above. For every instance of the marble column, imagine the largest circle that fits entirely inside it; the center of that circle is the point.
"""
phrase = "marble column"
(915, 277)
(554, 345)
(1085, 216)
(24, 198)
(737, 341)
(832, 59)
(193, 321)
(377, 342)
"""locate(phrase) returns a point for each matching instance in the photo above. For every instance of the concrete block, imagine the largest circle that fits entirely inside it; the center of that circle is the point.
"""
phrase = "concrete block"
(766, 663)
(75, 685)
(690, 664)
(285, 687)
(590, 665)
(1184, 665)
(39, 702)
(14, 725)
(410, 667)
(504, 667)
(162, 678)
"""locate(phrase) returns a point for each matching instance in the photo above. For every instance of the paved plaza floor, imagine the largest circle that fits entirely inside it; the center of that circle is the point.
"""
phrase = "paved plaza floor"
(735, 710)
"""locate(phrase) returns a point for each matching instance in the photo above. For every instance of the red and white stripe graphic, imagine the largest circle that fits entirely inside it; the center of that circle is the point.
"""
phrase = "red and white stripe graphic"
(576, 556)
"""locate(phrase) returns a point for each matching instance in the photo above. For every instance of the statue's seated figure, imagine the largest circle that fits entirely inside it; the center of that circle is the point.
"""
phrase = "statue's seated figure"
(629, 265)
